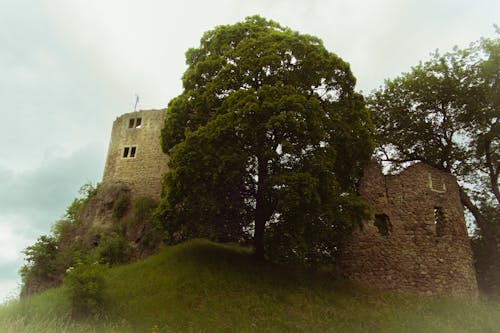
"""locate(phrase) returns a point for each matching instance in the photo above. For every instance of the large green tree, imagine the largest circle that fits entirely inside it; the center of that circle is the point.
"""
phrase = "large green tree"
(446, 112)
(266, 141)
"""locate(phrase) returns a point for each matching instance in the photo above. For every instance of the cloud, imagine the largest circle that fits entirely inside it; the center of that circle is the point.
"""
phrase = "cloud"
(31, 201)
(14, 236)
(47, 189)
(70, 67)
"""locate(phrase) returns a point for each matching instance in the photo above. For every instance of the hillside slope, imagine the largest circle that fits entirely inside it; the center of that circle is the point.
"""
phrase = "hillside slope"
(200, 286)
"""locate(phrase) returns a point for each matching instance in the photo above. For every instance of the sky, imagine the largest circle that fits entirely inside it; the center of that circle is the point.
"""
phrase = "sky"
(68, 68)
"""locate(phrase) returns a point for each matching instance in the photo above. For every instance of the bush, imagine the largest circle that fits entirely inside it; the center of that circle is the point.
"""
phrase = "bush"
(86, 192)
(121, 205)
(114, 249)
(144, 208)
(48, 258)
(85, 287)
(41, 262)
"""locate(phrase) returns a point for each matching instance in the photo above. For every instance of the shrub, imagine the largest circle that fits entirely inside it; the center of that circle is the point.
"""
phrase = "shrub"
(121, 205)
(40, 260)
(48, 258)
(114, 249)
(85, 286)
(85, 192)
(144, 208)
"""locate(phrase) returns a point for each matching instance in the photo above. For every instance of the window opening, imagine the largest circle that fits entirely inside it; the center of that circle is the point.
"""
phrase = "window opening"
(125, 152)
(132, 151)
(135, 123)
(383, 224)
(439, 220)
(436, 183)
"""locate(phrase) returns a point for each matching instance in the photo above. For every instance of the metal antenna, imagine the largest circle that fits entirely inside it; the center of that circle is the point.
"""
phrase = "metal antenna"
(136, 102)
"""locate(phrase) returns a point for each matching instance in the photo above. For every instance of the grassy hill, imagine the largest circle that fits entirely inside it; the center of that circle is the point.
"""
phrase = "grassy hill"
(200, 286)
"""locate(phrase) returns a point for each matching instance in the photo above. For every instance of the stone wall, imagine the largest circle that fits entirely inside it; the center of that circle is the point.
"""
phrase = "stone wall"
(135, 156)
(416, 240)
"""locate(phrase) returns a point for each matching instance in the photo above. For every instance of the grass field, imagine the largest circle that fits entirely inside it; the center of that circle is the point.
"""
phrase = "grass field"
(200, 286)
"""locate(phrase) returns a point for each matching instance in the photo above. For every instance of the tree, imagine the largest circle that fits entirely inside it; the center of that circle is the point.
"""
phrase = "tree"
(267, 139)
(446, 112)
(40, 270)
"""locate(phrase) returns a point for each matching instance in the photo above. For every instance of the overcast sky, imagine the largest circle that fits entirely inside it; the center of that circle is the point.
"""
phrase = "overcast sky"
(68, 68)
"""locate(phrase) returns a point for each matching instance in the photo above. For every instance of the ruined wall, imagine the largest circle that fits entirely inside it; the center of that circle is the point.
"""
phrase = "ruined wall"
(416, 240)
(134, 154)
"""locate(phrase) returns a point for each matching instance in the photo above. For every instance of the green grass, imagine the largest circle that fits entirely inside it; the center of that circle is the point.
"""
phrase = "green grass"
(205, 287)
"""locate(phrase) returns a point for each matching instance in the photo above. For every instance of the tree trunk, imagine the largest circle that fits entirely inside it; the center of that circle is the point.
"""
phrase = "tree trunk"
(260, 210)
(492, 171)
(480, 220)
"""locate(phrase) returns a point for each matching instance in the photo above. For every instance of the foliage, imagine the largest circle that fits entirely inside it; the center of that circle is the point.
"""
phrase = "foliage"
(85, 287)
(49, 257)
(446, 112)
(268, 136)
(487, 254)
(114, 249)
(200, 286)
(40, 259)
(121, 205)
(144, 209)
(86, 192)
(144, 212)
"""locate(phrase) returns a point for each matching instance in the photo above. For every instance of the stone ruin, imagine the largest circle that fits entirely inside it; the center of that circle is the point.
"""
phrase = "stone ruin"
(135, 158)
(416, 240)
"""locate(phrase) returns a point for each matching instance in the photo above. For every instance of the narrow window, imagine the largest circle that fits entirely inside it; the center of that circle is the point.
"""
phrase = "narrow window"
(439, 220)
(131, 123)
(125, 152)
(383, 224)
(436, 183)
(138, 122)
(132, 152)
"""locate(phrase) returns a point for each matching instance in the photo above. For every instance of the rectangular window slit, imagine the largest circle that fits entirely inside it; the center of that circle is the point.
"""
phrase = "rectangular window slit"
(138, 122)
(125, 152)
(131, 123)
(439, 220)
(132, 152)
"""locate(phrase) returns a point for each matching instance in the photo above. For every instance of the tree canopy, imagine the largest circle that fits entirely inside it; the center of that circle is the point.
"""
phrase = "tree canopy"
(267, 141)
(446, 112)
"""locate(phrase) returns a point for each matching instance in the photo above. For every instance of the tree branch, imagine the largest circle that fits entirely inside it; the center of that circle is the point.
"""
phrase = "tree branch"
(480, 220)
(491, 172)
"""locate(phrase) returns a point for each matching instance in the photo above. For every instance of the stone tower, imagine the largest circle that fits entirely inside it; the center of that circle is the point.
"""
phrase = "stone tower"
(135, 157)
(416, 240)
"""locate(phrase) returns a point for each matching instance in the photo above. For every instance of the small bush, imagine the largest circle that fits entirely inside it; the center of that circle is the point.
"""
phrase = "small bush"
(114, 249)
(85, 287)
(144, 208)
(121, 205)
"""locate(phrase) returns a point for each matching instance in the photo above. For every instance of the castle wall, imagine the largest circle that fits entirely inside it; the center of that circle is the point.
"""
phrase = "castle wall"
(416, 240)
(135, 157)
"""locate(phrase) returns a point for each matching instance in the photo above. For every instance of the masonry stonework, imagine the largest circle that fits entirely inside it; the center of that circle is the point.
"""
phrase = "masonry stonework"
(135, 157)
(416, 240)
